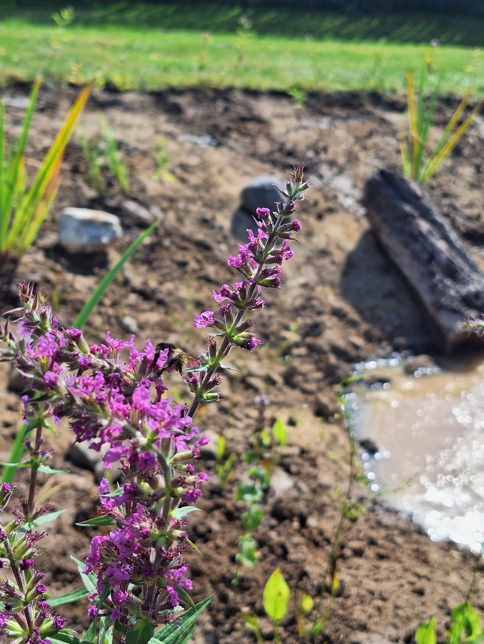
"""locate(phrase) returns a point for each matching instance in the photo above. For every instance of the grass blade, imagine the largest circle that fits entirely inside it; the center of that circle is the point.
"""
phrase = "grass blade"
(17, 451)
(435, 161)
(88, 308)
(45, 177)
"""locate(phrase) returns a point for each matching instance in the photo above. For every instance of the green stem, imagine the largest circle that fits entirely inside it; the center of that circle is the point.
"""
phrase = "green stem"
(320, 621)
(276, 633)
(474, 574)
(33, 473)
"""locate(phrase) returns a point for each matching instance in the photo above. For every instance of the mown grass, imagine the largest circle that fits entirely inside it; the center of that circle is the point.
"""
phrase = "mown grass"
(151, 59)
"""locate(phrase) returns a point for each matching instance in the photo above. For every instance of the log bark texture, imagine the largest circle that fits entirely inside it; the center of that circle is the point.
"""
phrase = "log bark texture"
(429, 253)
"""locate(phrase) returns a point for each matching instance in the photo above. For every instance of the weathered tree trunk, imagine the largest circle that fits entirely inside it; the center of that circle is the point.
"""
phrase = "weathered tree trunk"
(429, 253)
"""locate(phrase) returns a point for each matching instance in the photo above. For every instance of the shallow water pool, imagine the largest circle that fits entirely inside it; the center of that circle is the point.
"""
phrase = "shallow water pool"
(429, 433)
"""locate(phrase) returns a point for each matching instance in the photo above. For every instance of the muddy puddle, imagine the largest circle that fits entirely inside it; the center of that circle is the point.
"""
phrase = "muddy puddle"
(424, 440)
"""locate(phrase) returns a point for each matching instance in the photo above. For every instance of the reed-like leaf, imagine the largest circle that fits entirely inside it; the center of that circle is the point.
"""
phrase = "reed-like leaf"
(23, 211)
(88, 308)
(435, 161)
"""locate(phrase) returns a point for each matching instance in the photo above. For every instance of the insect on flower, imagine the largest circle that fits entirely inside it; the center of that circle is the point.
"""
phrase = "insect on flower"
(177, 358)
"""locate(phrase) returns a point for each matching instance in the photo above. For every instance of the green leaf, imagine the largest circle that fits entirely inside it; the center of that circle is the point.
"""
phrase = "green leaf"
(141, 635)
(65, 638)
(426, 633)
(91, 631)
(248, 493)
(252, 519)
(68, 599)
(307, 603)
(179, 513)
(248, 551)
(89, 307)
(465, 619)
(184, 596)
(89, 580)
(265, 438)
(221, 447)
(45, 469)
(173, 634)
(104, 624)
(251, 622)
(111, 495)
(276, 596)
(279, 431)
(97, 521)
(51, 516)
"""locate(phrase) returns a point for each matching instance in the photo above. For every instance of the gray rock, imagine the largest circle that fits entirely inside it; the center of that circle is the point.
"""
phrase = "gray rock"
(100, 472)
(261, 193)
(16, 382)
(208, 452)
(241, 221)
(137, 213)
(82, 456)
(82, 230)
(19, 102)
(281, 481)
(130, 324)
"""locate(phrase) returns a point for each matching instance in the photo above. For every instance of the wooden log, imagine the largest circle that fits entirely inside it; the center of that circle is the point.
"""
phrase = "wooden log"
(429, 253)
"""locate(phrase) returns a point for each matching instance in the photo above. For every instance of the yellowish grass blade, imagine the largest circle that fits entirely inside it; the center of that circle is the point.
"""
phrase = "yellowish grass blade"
(25, 216)
(434, 163)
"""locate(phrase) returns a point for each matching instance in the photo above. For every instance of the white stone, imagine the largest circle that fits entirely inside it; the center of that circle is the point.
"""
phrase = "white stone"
(82, 230)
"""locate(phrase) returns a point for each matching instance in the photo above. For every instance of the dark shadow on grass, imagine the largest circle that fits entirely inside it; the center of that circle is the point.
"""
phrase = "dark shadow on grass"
(309, 19)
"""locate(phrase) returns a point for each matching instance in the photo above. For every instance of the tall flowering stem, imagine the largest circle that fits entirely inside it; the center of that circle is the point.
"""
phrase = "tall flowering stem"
(121, 409)
(259, 264)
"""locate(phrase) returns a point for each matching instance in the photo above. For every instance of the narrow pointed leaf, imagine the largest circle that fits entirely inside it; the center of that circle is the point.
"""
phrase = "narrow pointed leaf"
(88, 308)
(168, 634)
(68, 599)
(97, 521)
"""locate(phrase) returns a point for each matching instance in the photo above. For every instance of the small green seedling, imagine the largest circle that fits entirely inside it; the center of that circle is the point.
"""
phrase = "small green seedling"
(162, 162)
(247, 555)
(252, 623)
(115, 162)
(225, 468)
(304, 607)
(94, 161)
(465, 627)
(276, 599)
(298, 97)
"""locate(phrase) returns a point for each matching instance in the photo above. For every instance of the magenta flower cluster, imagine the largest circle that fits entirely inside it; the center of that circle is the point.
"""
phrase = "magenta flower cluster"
(120, 407)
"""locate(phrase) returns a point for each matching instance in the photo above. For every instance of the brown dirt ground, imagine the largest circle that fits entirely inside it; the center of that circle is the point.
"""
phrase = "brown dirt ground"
(342, 290)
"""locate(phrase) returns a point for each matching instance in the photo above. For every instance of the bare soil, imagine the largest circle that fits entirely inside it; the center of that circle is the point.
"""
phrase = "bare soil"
(347, 299)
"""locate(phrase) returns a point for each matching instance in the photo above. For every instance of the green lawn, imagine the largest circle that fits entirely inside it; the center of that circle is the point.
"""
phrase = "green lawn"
(139, 57)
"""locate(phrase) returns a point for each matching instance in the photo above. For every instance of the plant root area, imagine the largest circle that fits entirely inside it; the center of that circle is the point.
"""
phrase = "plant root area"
(342, 302)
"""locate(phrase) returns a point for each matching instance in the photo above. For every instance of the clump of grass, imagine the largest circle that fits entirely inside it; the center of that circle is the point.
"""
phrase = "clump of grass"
(162, 162)
(23, 209)
(420, 161)
(93, 160)
(114, 160)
